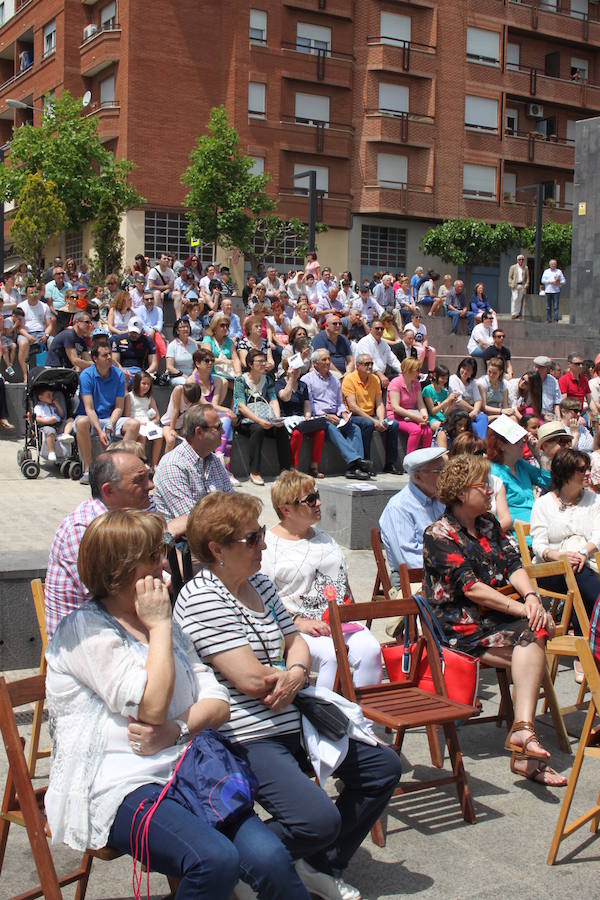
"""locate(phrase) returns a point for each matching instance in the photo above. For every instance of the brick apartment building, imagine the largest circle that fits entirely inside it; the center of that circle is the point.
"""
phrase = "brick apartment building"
(411, 111)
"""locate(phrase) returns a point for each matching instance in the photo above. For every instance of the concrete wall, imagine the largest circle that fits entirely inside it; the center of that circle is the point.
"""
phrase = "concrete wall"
(333, 247)
(132, 232)
(20, 642)
(586, 228)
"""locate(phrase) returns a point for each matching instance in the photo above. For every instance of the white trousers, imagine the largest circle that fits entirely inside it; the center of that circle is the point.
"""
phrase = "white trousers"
(516, 301)
(364, 656)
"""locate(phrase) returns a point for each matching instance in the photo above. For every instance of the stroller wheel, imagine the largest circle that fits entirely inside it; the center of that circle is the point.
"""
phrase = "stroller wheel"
(64, 469)
(75, 471)
(22, 455)
(30, 469)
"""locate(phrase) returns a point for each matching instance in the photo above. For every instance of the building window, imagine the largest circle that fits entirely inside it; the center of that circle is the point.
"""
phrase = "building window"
(383, 248)
(313, 38)
(481, 113)
(479, 181)
(256, 99)
(108, 17)
(509, 186)
(312, 109)
(74, 246)
(301, 185)
(285, 256)
(483, 46)
(393, 99)
(107, 91)
(513, 55)
(548, 5)
(1, 13)
(167, 231)
(49, 39)
(394, 29)
(258, 165)
(258, 26)
(392, 170)
(579, 9)
(511, 121)
(579, 68)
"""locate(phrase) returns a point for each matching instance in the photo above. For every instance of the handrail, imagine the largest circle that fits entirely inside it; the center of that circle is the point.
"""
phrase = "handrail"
(397, 43)
(540, 73)
(316, 51)
(552, 10)
(546, 138)
(116, 26)
(292, 119)
(400, 185)
(396, 114)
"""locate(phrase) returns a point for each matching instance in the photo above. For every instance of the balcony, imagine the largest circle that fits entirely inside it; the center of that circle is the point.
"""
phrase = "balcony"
(560, 23)
(329, 138)
(340, 9)
(389, 127)
(404, 56)
(108, 116)
(100, 50)
(525, 81)
(401, 200)
(531, 147)
(20, 77)
(327, 66)
(334, 209)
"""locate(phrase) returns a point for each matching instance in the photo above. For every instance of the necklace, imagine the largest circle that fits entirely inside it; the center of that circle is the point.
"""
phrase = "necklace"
(565, 504)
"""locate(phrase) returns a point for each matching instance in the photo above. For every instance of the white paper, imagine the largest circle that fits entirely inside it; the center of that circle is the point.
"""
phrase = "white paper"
(343, 421)
(151, 431)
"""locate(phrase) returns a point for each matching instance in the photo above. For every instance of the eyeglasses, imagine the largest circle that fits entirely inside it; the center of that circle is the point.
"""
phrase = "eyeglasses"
(499, 336)
(86, 321)
(377, 328)
(223, 325)
(218, 427)
(311, 499)
(367, 365)
(335, 324)
(253, 539)
(484, 486)
(574, 363)
(565, 441)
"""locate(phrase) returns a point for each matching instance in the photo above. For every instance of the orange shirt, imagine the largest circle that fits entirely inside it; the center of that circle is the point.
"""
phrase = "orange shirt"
(366, 395)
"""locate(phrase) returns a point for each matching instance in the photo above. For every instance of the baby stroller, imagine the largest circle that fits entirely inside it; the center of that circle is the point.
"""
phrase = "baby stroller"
(65, 382)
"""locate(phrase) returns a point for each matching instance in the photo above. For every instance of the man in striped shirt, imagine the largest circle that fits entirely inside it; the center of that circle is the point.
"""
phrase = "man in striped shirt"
(192, 469)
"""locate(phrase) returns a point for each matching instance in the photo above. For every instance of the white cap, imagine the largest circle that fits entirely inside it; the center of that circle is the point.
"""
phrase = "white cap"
(135, 325)
(419, 458)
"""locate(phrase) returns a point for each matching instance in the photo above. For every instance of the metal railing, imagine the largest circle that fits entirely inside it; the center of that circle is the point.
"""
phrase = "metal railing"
(405, 47)
(321, 55)
(102, 29)
(320, 126)
(401, 118)
(534, 74)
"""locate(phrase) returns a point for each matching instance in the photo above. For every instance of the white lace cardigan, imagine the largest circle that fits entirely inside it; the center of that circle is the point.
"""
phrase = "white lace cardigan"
(96, 680)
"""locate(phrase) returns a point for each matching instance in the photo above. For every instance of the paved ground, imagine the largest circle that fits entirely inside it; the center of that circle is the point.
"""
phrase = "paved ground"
(430, 851)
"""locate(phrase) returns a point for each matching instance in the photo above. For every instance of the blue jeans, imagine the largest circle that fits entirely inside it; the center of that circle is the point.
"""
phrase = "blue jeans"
(552, 299)
(347, 441)
(455, 316)
(209, 862)
(310, 825)
(391, 439)
(476, 352)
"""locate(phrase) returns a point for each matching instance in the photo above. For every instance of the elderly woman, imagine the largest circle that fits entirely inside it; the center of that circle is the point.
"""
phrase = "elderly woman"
(570, 416)
(469, 443)
(303, 319)
(465, 554)
(255, 340)
(518, 476)
(180, 352)
(293, 398)
(227, 363)
(405, 404)
(126, 692)
(240, 627)
(566, 520)
(308, 569)
(255, 403)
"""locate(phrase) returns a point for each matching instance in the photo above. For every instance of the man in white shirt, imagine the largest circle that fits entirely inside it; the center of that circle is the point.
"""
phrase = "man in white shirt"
(366, 304)
(518, 282)
(552, 279)
(272, 283)
(481, 336)
(380, 352)
(37, 326)
(161, 280)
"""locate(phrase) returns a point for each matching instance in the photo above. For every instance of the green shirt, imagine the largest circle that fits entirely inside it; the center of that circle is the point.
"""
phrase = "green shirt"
(436, 397)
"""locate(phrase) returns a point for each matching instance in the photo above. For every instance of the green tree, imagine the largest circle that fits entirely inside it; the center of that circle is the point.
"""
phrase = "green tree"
(556, 242)
(468, 242)
(224, 199)
(40, 214)
(276, 234)
(108, 243)
(65, 149)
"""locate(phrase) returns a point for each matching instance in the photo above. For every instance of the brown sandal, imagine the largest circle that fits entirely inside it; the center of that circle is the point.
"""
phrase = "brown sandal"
(521, 750)
(315, 473)
(541, 767)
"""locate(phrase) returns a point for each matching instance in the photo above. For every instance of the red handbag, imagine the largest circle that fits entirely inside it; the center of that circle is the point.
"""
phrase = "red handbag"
(460, 670)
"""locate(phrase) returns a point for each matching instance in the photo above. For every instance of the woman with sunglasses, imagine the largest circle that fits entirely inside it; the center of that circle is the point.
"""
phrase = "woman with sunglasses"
(127, 693)
(240, 627)
(309, 569)
(214, 391)
(466, 554)
(227, 362)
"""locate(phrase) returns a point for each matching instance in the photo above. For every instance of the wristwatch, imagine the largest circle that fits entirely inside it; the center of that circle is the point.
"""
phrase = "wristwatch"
(304, 669)
(184, 732)
(168, 541)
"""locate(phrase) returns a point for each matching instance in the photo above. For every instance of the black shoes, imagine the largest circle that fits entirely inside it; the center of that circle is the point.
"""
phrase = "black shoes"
(359, 470)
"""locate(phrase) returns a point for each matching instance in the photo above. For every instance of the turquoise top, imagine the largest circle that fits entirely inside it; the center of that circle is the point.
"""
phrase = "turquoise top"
(437, 397)
(519, 488)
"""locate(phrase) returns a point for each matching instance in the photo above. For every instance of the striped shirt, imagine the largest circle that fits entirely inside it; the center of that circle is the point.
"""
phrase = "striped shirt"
(217, 623)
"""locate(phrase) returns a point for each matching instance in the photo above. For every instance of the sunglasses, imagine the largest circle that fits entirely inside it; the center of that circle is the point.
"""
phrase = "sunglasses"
(484, 486)
(311, 499)
(253, 539)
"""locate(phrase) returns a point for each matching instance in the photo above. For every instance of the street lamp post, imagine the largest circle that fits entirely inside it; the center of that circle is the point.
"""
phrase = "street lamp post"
(312, 205)
(3, 149)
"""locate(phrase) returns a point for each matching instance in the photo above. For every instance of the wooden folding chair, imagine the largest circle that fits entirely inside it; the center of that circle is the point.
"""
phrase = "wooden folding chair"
(39, 601)
(403, 706)
(579, 648)
(24, 805)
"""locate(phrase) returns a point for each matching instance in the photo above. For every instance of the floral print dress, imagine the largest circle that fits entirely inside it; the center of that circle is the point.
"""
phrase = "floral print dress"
(454, 561)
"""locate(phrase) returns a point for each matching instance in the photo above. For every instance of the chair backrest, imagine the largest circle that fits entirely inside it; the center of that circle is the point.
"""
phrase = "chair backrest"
(14, 694)
(382, 584)
(408, 577)
(572, 597)
(383, 609)
(522, 533)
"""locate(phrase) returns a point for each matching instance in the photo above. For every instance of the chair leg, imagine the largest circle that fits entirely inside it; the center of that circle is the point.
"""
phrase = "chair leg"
(8, 802)
(559, 724)
(38, 714)
(462, 786)
(570, 790)
(583, 689)
(553, 673)
(378, 834)
(434, 746)
(399, 739)
(86, 868)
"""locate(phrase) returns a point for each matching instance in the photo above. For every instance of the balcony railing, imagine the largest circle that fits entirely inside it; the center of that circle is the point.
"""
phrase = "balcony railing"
(404, 47)
(556, 9)
(321, 55)
(320, 128)
(539, 80)
(402, 119)
(18, 75)
(108, 26)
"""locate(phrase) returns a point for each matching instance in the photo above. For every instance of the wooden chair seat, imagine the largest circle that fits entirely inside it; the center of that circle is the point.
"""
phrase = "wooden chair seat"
(409, 707)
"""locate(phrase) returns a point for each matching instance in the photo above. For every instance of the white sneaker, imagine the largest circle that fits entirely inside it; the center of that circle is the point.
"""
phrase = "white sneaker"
(51, 456)
(325, 886)
(10, 371)
(65, 438)
(233, 480)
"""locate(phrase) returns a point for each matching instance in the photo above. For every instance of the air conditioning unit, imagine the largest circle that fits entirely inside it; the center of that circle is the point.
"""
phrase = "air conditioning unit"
(535, 111)
(89, 31)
